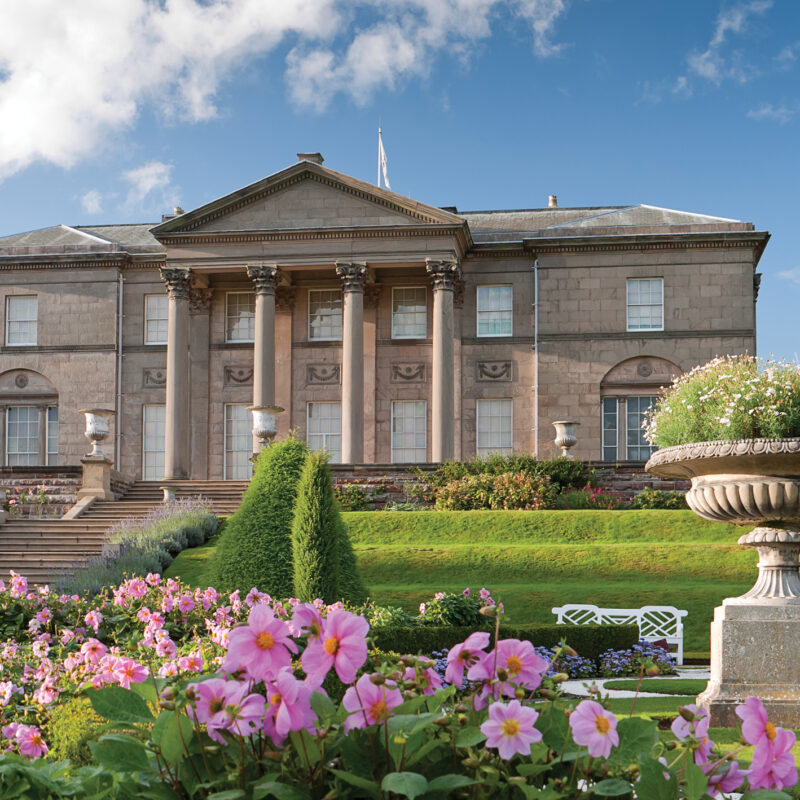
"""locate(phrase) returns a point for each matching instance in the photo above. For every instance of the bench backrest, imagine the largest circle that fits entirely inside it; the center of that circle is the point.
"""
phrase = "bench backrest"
(655, 622)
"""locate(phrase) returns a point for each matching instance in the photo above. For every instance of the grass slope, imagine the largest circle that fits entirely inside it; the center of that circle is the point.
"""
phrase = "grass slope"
(534, 560)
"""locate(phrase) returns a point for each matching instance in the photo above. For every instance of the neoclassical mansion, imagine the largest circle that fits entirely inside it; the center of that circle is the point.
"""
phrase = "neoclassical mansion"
(388, 330)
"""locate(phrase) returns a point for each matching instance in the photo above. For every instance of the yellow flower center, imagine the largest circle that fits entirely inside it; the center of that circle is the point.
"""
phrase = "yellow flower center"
(603, 725)
(464, 655)
(771, 731)
(215, 705)
(510, 727)
(274, 699)
(265, 641)
(36, 740)
(331, 645)
(378, 711)
(514, 664)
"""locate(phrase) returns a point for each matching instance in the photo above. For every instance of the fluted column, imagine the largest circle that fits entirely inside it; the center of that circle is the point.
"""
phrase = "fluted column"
(352, 277)
(176, 455)
(443, 274)
(265, 279)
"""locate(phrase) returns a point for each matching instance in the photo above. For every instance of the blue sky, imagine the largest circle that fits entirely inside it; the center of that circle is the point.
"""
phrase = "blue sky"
(115, 112)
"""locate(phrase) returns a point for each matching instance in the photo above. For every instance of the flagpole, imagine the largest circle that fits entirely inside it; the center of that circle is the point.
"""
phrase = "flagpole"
(379, 154)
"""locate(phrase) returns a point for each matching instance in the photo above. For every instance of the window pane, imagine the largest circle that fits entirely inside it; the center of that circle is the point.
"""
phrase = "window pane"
(22, 436)
(325, 429)
(637, 448)
(495, 310)
(238, 442)
(610, 426)
(52, 436)
(325, 314)
(156, 312)
(494, 424)
(645, 305)
(154, 435)
(409, 436)
(240, 319)
(21, 320)
(409, 313)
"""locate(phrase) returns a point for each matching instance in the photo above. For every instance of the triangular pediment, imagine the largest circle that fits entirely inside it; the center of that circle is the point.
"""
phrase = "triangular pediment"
(306, 196)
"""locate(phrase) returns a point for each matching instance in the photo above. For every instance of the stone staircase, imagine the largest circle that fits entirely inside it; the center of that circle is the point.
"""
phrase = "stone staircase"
(40, 549)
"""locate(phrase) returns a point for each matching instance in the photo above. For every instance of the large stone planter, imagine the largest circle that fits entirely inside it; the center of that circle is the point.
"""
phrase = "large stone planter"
(755, 638)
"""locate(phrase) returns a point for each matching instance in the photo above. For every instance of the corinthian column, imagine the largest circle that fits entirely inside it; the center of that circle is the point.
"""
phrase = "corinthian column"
(443, 274)
(176, 455)
(265, 279)
(352, 277)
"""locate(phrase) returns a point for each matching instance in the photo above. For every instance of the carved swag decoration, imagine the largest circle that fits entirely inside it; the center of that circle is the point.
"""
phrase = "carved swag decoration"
(236, 375)
(494, 370)
(408, 373)
(322, 373)
(154, 378)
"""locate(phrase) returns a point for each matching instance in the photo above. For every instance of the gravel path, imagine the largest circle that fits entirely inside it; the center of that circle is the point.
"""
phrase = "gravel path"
(579, 687)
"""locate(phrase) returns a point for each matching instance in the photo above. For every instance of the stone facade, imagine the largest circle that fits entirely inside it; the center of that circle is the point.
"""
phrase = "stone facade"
(325, 231)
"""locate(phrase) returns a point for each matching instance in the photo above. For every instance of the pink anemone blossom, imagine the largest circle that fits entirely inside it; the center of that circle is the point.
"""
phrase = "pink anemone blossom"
(510, 728)
(244, 711)
(697, 729)
(289, 704)
(517, 666)
(129, 671)
(30, 741)
(369, 704)
(306, 619)
(428, 679)
(262, 647)
(464, 655)
(727, 781)
(342, 645)
(595, 728)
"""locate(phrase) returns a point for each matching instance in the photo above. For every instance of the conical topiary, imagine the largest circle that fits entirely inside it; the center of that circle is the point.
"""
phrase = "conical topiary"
(315, 539)
(255, 548)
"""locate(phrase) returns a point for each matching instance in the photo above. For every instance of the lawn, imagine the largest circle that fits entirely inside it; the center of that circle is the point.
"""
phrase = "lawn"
(676, 686)
(534, 560)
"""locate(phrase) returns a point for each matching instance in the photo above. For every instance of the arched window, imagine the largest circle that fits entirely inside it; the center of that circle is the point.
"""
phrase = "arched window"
(29, 430)
(627, 391)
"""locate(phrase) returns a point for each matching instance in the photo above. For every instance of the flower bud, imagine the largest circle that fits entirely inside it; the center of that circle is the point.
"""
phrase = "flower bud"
(211, 749)
(321, 733)
(519, 694)
(672, 745)
(652, 671)
(686, 713)
(408, 661)
(191, 694)
(463, 719)
(442, 722)
(488, 611)
(461, 708)
(593, 689)
(502, 674)
(569, 651)
(273, 755)
(332, 795)
(168, 693)
(470, 762)
(167, 705)
(547, 694)
(377, 679)
(560, 677)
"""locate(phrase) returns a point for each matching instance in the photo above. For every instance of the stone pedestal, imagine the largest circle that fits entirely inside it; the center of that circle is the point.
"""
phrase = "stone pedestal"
(96, 478)
(755, 651)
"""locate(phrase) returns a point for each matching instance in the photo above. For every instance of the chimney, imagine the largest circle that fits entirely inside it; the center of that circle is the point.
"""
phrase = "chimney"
(314, 158)
(177, 211)
(552, 201)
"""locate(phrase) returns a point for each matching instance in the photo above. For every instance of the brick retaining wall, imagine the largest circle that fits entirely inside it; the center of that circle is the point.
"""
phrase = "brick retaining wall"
(61, 485)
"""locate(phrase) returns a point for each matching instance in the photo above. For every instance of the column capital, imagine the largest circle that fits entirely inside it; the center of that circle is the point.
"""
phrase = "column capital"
(264, 277)
(200, 300)
(443, 273)
(178, 281)
(353, 275)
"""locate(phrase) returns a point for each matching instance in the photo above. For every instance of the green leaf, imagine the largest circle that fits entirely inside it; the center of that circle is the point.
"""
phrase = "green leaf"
(119, 705)
(228, 794)
(170, 731)
(652, 783)
(446, 783)
(554, 727)
(283, 791)
(145, 690)
(409, 724)
(766, 794)
(696, 781)
(305, 744)
(355, 780)
(356, 757)
(426, 749)
(637, 737)
(469, 737)
(322, 705)
(410, 706)
(611, 787)
(119, 753)
(407, 784)
(526, 770)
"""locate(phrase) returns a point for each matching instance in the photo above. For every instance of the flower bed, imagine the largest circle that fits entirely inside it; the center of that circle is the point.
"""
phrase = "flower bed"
(194, 694)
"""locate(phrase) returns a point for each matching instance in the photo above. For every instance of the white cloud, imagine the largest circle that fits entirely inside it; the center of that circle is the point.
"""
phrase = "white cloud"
(791, 275)
(72, 73)
(767, 111)
(787, 56)
(92, 202)
(713, 63)
(150, 187)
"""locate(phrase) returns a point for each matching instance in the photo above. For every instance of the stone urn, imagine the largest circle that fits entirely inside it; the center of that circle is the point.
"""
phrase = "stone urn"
(755, 638)
(566, 435)
(98, 426)
(265, 423)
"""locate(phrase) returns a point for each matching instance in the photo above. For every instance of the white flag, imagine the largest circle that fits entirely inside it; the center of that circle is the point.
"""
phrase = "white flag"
(382, 162)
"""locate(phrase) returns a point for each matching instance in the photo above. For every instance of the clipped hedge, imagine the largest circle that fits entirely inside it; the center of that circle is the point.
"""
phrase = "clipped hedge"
(588, 640)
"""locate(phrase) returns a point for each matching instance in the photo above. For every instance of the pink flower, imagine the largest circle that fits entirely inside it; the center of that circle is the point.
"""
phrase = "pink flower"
(306, 619)
(93, 620)
(92, 651)
(755, 725)
(129, 671)
(262, 647)
(185, 603)
(518, 666)
(244, 712)
(210, 699)
(30, 741)
(342, 645)
(290, 705)
(727, 781)
(369, 704)
(510, 728)
(429, 678)
(191, 663)
(166, 648)
(466, 592)
(595, 728)
(773, 765)
(464, 655)
(697, 729)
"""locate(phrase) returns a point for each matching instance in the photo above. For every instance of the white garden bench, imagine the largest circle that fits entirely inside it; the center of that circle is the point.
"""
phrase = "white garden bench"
(655, 622)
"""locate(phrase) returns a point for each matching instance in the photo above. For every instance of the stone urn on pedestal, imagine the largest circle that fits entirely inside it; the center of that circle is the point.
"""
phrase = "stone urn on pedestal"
(566, 436)
(755, 638)
(265, 424)
(96, 481)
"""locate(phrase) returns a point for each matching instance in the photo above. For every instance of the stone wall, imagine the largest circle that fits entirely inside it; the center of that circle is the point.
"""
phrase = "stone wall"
(61, 485)
(629, 478)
